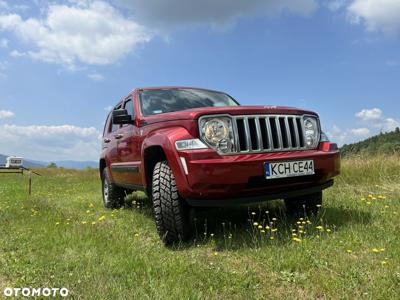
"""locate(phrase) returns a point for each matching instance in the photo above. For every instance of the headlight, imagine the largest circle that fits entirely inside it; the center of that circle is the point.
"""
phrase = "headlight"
(311, 132)
(217, 133)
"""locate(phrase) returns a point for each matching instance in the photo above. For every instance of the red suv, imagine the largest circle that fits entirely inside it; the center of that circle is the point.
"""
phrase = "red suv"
(188, 147)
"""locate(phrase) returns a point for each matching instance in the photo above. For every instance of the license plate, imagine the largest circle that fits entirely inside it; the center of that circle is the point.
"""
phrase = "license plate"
(289, 169)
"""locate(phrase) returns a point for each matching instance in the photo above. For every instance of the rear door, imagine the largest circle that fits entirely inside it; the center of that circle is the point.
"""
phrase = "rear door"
(129, 149)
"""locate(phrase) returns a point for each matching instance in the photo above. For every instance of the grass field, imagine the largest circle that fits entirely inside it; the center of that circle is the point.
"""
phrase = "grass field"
(61, 236)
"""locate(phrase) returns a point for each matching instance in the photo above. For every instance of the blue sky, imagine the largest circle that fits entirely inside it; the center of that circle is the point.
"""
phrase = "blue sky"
(63, 63)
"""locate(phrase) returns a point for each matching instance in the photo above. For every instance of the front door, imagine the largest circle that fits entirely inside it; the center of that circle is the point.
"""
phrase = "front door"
(129, 150)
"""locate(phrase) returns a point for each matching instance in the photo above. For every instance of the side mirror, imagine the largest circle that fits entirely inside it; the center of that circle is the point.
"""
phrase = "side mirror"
(121, 117)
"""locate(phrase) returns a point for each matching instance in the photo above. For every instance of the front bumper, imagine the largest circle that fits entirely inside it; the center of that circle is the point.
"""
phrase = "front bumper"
(211, 176)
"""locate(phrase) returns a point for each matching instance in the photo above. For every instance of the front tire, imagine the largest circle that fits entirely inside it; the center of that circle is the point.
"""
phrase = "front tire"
(306, 205)
(170, 210)
(113, 195)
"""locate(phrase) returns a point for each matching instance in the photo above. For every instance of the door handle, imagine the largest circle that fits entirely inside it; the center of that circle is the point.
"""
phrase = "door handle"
(118, 136)
(106, 141)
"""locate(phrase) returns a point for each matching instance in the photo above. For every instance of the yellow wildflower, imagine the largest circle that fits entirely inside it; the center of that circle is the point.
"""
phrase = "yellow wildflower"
(295, 239)
(375, 250)
(349, 251)
(255, 224)
(102, 218)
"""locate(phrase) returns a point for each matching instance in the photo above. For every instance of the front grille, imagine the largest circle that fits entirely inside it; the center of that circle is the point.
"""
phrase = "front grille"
(269, 133)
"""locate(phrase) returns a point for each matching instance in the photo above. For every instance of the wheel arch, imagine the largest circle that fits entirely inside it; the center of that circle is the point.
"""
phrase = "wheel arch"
(102, 166)
(151, 156)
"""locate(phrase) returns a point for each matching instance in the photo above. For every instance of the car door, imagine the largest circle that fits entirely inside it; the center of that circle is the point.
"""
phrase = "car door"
(110, 145)
(129, 149)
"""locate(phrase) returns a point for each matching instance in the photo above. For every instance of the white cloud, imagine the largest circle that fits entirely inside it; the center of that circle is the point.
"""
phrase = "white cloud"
(370, 114)
(335, 5)
(390, 124)
(348, 135)
(89, 32)
(375, 118)
(177, 13)
(6, 114)
(377, 15)
(373, 121)
(49, 143)
(3, 43)
(3, 5)
(95, 77)
(3, 67)
(360, 132)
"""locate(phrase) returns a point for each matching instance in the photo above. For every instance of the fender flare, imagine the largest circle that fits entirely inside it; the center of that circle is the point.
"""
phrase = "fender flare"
(166, 138)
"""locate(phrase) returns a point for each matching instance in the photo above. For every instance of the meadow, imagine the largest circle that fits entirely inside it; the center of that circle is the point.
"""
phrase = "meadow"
(61, 236)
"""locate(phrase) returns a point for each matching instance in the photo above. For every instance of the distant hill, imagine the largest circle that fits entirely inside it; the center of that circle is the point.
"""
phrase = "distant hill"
(27, 163)
(71, 164)
(383, 143)
(67, 164)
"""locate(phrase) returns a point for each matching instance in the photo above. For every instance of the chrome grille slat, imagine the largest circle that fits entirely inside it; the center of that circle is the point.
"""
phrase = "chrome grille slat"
(289, 136)
(296, 132)
(270, 141)
(247, 131)
(279, 133)
(269, 137)
(259, 135)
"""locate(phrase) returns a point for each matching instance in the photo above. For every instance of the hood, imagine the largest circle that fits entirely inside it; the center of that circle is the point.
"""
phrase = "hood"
(194, 114)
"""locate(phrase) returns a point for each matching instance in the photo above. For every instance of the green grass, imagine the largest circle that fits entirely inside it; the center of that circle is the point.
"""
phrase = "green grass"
(43, 243)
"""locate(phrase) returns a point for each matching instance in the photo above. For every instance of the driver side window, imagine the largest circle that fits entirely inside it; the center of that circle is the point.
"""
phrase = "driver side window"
(130, 108)
(115, 127)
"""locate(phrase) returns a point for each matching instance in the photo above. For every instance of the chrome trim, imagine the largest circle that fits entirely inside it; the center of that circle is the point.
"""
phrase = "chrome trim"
(259, 135)
(288, 134)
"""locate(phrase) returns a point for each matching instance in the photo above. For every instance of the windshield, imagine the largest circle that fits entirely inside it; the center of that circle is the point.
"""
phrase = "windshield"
(154, 102)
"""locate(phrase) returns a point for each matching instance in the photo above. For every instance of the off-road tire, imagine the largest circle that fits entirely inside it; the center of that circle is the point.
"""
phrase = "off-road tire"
(170, 210)
(113, 195)
(306, 205)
